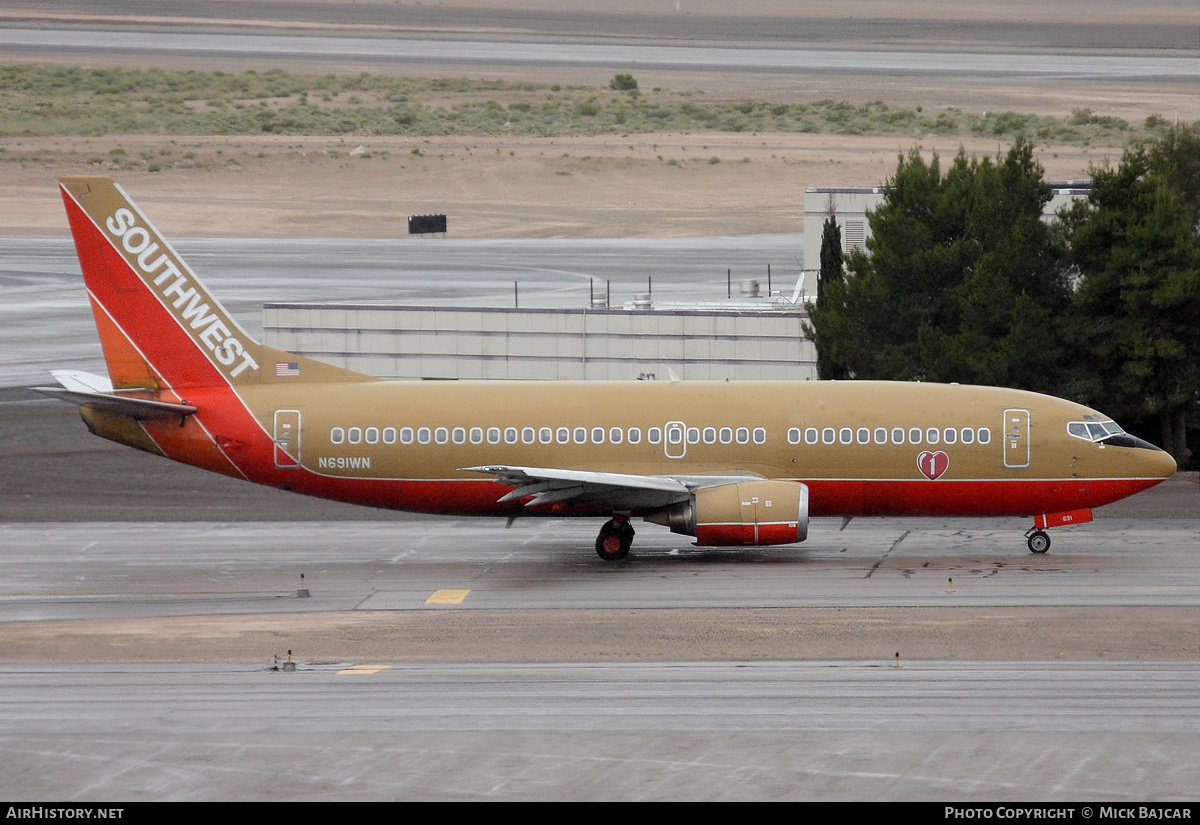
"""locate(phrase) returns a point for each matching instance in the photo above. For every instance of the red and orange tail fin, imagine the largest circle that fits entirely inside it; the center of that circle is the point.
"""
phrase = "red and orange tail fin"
(159, 327)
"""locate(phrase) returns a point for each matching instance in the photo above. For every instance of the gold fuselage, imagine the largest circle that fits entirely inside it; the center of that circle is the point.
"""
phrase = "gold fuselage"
(817, 432)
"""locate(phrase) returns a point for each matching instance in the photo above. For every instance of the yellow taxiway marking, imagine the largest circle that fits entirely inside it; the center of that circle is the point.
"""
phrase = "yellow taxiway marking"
(362, 670)
(447, 597)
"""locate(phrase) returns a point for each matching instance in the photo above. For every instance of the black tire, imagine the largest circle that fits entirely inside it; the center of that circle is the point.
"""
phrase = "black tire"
(1039, 542)
(613, 542)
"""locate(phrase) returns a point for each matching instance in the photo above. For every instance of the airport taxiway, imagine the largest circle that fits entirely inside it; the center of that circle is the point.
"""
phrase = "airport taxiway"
(1132, 64)
(135, 570)
(963, 731)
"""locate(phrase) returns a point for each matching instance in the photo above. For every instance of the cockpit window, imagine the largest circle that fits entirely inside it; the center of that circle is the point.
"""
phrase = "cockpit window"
(1094, 430)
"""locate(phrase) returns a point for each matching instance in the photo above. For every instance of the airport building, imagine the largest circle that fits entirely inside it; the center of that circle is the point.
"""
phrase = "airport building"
(739, 341)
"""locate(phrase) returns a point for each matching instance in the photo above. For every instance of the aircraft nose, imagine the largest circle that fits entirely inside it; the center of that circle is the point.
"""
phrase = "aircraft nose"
(1159, 464)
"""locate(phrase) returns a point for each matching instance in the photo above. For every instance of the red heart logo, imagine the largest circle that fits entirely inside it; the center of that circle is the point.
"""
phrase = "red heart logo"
(932, 465)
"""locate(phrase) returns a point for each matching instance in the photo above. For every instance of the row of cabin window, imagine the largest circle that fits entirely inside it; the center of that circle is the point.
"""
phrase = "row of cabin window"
(882, 435)
(546, 435)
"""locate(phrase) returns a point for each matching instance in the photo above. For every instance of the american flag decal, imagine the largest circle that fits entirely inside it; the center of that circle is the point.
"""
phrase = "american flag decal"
(287, 369)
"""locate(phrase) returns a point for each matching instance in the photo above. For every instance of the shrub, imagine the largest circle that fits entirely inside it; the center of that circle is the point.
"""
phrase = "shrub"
(623, 83)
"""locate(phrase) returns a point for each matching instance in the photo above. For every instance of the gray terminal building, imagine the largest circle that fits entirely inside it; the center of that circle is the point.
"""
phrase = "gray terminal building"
(740, 341)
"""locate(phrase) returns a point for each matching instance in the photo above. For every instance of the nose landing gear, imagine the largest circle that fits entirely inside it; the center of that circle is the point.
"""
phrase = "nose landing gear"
(1038, 541)
(615, 538)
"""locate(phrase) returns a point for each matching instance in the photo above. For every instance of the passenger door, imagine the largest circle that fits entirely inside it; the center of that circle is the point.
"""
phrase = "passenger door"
(1016, 439)
(287, 439)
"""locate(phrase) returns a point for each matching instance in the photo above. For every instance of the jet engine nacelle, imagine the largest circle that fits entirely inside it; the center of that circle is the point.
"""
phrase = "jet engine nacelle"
(743, 513)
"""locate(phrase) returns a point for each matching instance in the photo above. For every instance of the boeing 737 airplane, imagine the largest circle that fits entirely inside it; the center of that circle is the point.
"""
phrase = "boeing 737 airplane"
(731, 464)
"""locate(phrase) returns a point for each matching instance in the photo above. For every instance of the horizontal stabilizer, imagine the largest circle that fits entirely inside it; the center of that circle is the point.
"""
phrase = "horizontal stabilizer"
(96, 390)
(82, 381)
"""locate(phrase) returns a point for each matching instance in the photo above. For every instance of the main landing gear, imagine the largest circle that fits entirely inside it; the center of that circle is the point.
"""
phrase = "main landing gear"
(1038, 541)
(615, 538)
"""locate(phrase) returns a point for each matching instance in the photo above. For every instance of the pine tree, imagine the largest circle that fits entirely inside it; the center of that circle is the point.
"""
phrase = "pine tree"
(1135, 247)
(961, 280)
(831, 284)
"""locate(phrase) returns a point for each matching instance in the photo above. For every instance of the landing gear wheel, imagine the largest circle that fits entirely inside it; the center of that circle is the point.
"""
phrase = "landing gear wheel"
(614, 540)
(1038, 542)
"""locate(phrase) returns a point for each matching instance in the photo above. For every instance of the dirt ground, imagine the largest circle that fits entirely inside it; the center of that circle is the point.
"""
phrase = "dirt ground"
(612, 186)
(608, 186)
(646, 635)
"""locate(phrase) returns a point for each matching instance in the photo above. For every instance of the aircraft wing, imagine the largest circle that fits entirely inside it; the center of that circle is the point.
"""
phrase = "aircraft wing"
(608, 491)
(96, 390)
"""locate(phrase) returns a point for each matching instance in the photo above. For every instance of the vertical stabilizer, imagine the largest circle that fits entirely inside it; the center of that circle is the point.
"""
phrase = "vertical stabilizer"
(157, 323)
(160, 328)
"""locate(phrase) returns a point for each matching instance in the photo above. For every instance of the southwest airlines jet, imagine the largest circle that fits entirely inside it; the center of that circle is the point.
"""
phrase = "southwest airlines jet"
(732, 464)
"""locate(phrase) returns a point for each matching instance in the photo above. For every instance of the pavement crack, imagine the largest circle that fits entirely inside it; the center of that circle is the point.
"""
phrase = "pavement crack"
(887, 553)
